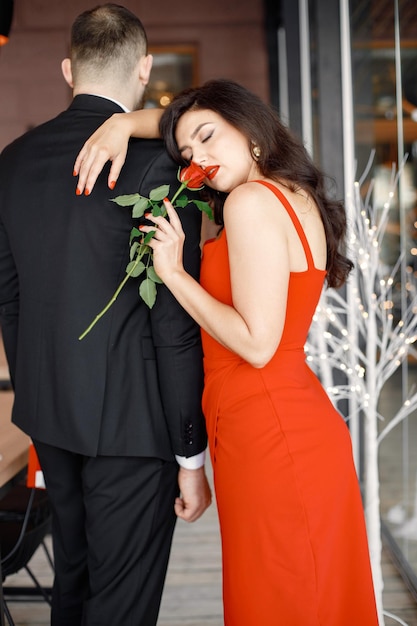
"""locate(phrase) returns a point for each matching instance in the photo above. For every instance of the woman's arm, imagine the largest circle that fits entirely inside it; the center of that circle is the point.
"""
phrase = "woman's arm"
(110, 142)
(259, 268)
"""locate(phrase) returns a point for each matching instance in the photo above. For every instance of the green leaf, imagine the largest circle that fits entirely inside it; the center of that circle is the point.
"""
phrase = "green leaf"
(127, 200)
(133, 271)
(157, 210)
(182, 201)
(148, 236)
(135, 232)
(152, 275)
(133, 249)
(205, 208)
(140, 207)
(159, 193)
(147, 291)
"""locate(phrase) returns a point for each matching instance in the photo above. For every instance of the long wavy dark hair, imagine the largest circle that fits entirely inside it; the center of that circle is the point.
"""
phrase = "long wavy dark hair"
(283, 158)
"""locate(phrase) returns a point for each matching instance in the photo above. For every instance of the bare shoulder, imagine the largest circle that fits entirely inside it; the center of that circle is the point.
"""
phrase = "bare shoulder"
(251, 190)
(252, 206)
(250, 196)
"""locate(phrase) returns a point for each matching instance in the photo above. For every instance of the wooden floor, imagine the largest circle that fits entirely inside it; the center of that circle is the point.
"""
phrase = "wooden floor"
(192, 594)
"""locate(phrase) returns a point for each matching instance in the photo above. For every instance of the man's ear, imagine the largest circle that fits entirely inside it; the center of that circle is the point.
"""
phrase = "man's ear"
(145, 66)
(67, 72)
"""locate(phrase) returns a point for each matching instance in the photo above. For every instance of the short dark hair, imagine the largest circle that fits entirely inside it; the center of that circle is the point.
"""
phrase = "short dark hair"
(104, 37)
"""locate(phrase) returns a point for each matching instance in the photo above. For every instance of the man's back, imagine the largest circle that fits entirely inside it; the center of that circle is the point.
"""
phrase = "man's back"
(106, 414)
(71, 252)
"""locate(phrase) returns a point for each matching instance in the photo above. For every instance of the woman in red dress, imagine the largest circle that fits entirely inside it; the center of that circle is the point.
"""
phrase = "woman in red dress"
(293, 534)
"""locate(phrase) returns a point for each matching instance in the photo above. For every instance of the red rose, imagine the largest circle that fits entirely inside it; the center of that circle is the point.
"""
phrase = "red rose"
(192, 176)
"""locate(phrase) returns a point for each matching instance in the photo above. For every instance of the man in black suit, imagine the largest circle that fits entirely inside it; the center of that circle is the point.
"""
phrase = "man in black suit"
(116, 418)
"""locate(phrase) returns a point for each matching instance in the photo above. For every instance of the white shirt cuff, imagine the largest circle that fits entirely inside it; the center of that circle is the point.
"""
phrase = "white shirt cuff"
(192, 462)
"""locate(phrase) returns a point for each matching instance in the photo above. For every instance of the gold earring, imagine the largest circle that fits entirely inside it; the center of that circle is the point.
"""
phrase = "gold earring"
(256, 152)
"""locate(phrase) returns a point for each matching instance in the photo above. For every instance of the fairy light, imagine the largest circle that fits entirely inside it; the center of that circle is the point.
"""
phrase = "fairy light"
(388, 304)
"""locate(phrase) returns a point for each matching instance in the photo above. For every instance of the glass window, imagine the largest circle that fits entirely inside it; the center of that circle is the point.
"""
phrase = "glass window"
(384, 68)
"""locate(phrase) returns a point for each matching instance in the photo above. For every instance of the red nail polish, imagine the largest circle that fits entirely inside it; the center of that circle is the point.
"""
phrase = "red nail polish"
(166, 200)
(78, 192)
(87, 192)
(147, 215)
(112, 184)
(74, 173)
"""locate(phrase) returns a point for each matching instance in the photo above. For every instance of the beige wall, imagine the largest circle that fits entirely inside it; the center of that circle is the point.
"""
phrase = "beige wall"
(229, 36)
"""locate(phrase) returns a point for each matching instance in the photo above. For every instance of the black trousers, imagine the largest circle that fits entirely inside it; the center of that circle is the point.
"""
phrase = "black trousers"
(113, 520)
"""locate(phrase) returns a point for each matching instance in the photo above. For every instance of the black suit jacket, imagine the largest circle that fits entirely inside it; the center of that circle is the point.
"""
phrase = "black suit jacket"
(133, 385)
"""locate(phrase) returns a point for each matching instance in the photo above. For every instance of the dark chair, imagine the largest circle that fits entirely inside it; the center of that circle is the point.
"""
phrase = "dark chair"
(25, 519)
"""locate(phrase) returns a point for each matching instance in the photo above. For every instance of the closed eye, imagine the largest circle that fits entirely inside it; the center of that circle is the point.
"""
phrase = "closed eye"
(207, 137)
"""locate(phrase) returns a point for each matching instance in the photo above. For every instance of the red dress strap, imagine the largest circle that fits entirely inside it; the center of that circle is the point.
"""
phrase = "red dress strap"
(294, 219)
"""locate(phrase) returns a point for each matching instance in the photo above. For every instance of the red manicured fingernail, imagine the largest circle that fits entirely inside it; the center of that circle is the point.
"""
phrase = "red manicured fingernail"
(147, 215)
(78, 192)
(112, 184)
(74, 173)
(166, 200)
(87, 192)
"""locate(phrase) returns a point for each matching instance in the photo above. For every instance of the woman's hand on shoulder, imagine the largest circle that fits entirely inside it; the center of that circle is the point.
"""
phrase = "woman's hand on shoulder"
(110, 143)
